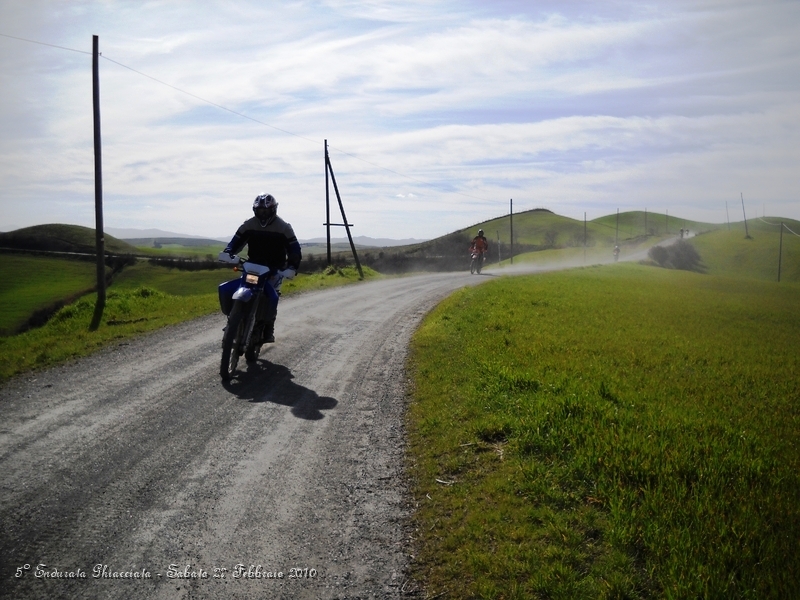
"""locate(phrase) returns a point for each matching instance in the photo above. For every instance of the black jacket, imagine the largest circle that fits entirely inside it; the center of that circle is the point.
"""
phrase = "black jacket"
(274, 244)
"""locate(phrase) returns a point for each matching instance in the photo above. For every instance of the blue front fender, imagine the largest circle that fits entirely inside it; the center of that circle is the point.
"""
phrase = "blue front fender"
(244, 294)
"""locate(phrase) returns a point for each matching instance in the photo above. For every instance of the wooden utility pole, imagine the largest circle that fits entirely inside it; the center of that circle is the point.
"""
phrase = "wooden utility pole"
(746, 233)
(584, 238)
(616, 233)
(327, 204)
(98, 193)
(727, 215)
(780, 252)
(345, 224)
(645, 222)
(511, 224)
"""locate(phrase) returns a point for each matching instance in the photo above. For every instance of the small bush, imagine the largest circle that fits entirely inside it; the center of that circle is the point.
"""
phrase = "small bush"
(659, 254)
(680, 255)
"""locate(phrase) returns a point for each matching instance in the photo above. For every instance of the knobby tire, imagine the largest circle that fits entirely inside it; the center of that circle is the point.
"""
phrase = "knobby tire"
(230, 343)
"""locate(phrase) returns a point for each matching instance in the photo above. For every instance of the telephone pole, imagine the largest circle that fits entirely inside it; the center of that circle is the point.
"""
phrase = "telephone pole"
(98, 193)
(344, 223)
(780, 253)
(746, 233)
(511, 224)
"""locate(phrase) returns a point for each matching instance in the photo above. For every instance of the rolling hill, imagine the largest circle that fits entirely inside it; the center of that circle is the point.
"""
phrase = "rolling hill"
(534, 230)
(61, 238)
(728, 252)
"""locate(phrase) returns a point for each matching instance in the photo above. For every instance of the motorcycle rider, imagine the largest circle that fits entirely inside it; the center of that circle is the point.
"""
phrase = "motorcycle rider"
(270, 242)
(479, 244)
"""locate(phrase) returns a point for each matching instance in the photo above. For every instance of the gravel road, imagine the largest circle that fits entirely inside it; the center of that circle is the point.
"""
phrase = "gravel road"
(139, 462)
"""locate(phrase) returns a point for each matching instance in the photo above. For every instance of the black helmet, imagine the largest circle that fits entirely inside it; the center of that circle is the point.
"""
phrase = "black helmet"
(480, 232)
(265, 207)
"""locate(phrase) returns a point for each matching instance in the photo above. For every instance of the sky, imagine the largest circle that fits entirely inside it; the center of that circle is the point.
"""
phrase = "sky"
(437, 113)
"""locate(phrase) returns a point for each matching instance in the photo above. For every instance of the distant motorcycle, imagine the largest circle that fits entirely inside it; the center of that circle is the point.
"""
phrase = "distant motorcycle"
(616, 253)
(245, 300)
(477, 262)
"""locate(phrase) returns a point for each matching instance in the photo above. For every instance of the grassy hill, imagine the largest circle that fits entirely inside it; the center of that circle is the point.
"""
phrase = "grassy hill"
(545, 229)
(534, 231)
(61, 238)
(730, 253)
(637, 223)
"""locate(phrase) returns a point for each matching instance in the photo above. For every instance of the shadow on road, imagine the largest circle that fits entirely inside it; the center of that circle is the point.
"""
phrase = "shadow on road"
(264, 381)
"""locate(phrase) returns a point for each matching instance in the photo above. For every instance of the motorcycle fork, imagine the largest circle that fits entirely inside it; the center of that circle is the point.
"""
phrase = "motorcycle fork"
(251, 321)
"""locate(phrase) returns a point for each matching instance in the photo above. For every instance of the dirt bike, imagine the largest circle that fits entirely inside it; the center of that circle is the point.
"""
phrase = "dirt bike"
(477, 262)
(246, 301)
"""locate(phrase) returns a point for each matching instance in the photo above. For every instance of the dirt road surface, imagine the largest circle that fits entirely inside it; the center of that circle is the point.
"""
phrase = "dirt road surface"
(139, 462)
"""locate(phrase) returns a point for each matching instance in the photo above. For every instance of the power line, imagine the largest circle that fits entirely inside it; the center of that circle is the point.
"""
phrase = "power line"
(244, 116)
(13, 37)
(790, 231)
(778, 225)
(177, 89)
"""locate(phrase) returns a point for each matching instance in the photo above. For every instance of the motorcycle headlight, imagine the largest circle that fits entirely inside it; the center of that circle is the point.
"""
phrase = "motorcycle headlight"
(253, 279)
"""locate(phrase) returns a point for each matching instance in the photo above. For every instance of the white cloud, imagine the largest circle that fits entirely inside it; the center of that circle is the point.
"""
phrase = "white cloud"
(572, 106)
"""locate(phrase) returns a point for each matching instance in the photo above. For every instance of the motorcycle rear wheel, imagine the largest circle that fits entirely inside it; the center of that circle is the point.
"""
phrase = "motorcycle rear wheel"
(231, 342)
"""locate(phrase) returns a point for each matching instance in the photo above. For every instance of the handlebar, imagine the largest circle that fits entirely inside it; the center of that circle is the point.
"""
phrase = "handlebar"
(224, 257)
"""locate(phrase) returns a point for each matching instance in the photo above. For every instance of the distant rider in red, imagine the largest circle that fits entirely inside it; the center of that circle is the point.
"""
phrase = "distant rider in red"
(479, 244)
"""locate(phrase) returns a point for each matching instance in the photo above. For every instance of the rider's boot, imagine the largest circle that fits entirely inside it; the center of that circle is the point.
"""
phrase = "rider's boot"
(266, 315)
(268, 335)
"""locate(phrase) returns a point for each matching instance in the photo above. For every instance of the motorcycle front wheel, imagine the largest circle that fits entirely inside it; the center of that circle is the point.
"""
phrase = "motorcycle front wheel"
(472, 267)
(231, 342)
(254, 348)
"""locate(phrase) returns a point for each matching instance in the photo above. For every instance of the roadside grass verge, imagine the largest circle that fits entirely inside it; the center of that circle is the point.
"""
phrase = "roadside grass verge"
(608, 432)
(134, 307)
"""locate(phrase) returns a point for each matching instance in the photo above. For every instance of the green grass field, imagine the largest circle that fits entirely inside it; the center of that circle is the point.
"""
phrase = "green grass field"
(183, 251)
(171, 281)
(30, 283)
(609, 432)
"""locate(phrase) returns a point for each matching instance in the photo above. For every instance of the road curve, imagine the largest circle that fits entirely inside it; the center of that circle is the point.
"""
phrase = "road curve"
(138, 458)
